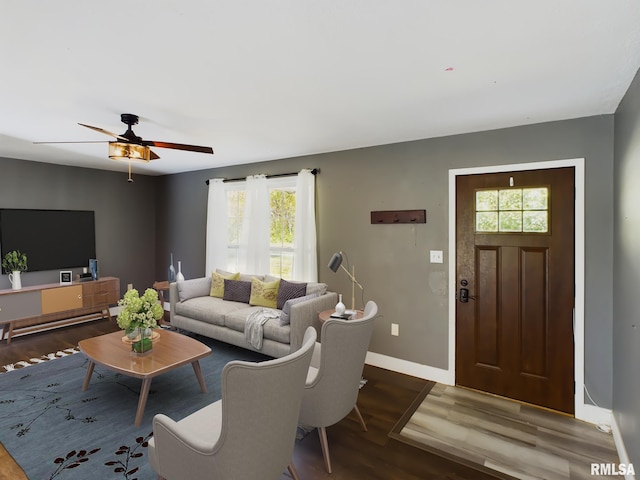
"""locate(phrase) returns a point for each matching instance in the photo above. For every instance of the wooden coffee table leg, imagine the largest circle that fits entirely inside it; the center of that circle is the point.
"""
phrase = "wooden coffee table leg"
(142, 401)
(198, 371)
(87, 377)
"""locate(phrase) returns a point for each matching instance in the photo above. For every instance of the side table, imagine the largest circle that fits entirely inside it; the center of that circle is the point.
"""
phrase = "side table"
(161, 287)
(326, 315)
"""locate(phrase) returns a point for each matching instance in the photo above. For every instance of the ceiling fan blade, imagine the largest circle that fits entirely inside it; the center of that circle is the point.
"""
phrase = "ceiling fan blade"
(178, 146)
(86, 141)
(106, 132)
(153, 155)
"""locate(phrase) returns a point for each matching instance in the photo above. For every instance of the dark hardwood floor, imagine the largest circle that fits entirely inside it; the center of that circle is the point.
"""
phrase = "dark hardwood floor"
(355, 454)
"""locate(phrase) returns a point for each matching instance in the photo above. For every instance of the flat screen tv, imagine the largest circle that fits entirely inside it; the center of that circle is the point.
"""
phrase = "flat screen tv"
(51, 239)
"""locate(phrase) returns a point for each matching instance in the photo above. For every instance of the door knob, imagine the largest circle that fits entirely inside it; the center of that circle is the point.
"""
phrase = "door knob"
(463, 294)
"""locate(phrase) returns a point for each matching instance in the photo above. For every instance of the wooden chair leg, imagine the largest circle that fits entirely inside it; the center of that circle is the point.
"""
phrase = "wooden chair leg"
(357, 410)
(325, 447)
(292, 471)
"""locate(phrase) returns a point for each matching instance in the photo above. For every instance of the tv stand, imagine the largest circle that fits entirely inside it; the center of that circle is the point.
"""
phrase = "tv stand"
(43, 307)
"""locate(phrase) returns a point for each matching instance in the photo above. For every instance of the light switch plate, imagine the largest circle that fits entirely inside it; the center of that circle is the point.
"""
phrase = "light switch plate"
(436, 256)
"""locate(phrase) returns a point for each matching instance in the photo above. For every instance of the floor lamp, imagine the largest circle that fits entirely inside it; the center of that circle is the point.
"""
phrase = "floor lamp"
(334, 264)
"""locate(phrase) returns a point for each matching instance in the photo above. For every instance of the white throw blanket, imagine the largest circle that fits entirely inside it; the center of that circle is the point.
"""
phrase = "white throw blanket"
(254, 327)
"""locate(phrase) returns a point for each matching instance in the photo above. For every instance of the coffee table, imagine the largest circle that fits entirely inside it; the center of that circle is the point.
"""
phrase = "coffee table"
(171, 350)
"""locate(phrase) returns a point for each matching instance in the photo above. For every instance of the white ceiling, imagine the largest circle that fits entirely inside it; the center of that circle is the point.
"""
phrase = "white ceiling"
(260, 80)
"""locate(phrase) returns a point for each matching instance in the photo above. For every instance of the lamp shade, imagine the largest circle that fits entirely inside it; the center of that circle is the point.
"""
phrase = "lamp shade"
(129, 152)
(335, 262)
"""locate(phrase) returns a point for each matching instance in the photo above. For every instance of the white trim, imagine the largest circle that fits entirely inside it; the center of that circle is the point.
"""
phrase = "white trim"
(582, 411)
(406, 367)
(596, 415)
(619, 442)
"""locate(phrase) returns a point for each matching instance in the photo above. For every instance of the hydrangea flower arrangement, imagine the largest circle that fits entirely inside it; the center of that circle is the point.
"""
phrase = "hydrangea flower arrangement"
(139, 311)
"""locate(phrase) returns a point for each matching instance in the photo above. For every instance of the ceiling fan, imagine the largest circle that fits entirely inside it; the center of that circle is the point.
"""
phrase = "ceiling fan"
(130, 147)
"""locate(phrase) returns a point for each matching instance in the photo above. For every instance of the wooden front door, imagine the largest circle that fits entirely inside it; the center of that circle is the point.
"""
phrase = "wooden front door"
(515, 285)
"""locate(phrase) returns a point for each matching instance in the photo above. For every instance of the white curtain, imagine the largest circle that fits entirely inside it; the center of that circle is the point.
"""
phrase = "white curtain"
(253, 249)
(217, 237)
(305, 267)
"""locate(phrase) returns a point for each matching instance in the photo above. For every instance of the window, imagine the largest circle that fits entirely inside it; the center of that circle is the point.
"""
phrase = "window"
(282, 199)
(513, 210)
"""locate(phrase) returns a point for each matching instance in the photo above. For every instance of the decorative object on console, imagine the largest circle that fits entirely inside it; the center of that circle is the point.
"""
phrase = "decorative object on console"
(172, 271)
(14, 263)
(138, 316)
(93, 267)
(334, 264)
(65, 277)
(179, 275)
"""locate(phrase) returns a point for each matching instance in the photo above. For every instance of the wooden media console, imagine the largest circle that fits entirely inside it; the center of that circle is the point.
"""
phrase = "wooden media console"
(43, 307)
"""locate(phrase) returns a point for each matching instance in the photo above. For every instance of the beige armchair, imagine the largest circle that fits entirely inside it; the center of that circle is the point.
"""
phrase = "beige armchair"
(248, 434)
(335, 373)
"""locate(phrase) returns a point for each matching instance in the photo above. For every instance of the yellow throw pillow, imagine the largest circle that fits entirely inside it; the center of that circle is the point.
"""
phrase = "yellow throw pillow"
(264, 294)
(217, 283)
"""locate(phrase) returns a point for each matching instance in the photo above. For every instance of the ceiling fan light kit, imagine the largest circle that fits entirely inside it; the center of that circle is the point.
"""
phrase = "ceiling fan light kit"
(129, 152)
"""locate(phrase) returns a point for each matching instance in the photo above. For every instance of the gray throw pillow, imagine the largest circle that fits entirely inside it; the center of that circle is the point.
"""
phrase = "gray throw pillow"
(286, 309)
(289, 290)
(195, 287)
(237, 291)
(319, 288)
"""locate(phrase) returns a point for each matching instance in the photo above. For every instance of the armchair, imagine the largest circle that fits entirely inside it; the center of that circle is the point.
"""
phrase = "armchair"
(334, 376)
(248, 434)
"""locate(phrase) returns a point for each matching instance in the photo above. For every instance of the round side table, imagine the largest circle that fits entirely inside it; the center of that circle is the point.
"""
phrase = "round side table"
(326, 315)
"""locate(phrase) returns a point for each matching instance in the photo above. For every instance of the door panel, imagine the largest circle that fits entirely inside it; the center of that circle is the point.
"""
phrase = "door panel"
(514, 336)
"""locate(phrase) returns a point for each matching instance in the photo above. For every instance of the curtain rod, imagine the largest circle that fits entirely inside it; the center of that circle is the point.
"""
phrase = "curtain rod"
(314, 171)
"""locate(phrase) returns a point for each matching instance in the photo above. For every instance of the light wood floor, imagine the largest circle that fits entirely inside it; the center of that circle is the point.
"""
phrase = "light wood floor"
(520, 440)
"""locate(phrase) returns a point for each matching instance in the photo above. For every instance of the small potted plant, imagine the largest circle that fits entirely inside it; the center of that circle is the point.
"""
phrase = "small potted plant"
(14, 263)
(138, 316)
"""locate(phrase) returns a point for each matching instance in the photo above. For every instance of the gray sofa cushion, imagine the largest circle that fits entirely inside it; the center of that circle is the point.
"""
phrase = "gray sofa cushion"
(272, 330)
(286, 310)
(245, 277)
(208, 309)
(197, 287)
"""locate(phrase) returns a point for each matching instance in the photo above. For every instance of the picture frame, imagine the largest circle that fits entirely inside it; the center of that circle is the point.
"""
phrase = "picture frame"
(66, 277)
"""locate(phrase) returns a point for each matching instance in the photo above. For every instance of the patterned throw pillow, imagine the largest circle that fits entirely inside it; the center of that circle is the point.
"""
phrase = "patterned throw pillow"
(217, 283)
(237, 291)
(264, 294)
(289, 290)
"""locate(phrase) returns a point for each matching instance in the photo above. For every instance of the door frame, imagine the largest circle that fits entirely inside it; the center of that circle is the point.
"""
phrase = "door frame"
(582, 411)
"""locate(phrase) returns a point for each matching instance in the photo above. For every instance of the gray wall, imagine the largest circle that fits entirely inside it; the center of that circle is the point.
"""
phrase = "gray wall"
(125, 214)
(626, 326)
(392, 260)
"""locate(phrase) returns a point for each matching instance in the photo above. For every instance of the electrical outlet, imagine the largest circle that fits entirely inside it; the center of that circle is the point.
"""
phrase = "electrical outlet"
(129, 286)
(436, 256)
(395, 329)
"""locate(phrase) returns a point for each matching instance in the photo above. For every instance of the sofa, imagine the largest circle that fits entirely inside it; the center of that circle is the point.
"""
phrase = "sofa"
(257, 312)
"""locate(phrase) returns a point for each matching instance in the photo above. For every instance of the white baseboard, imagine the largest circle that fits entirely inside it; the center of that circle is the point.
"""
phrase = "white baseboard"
(595, 415)
(410, 368)
(622, 450)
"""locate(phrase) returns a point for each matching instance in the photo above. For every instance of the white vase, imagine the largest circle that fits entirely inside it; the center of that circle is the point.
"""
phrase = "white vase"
(340, 308)
(179, 275)
(14, 278)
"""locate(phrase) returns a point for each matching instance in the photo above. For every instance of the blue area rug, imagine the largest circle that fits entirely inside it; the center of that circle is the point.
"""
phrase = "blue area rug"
(54, 430)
